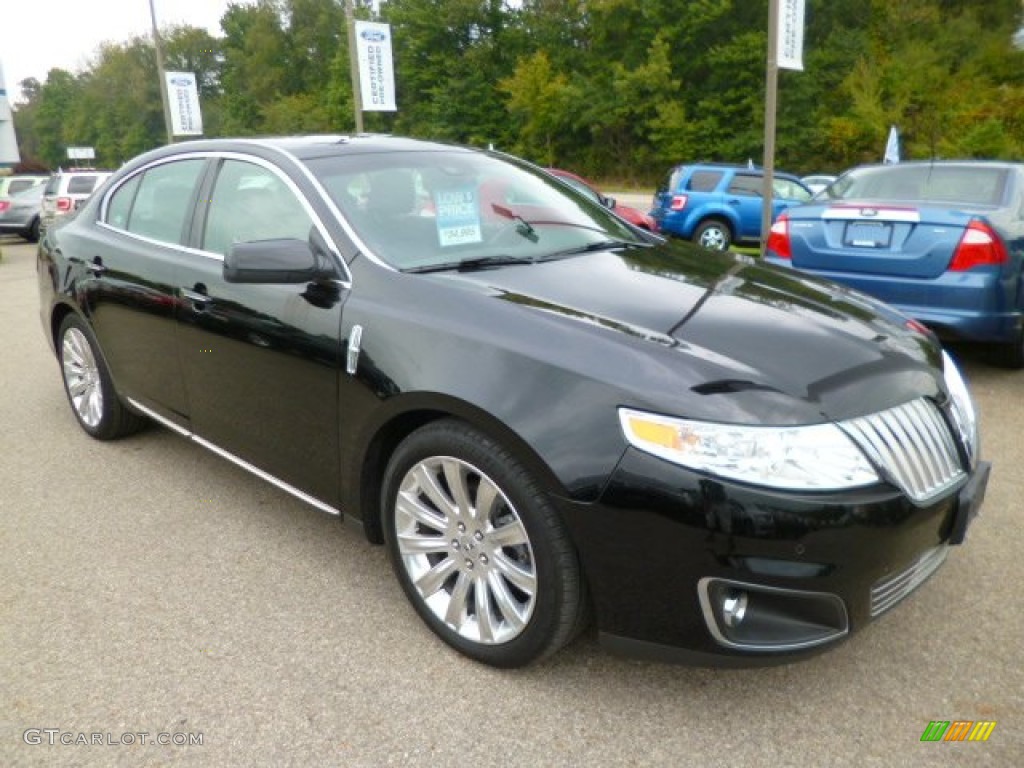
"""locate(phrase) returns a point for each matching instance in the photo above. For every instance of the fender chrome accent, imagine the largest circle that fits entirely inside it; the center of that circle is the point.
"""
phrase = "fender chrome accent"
(355, 345)
(302, 495)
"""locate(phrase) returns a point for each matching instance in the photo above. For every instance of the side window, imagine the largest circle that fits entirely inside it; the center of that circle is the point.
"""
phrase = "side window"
(163, 201)
(120, 206)
(743, 184)
(704, 181)
(19, 185)
(249, 203)
(788, 190)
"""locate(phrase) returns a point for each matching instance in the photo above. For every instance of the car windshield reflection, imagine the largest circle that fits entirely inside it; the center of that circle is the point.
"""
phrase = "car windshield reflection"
(424, 210)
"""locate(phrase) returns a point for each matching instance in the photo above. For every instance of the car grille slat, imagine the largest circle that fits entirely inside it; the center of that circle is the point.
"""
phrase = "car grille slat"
(912, 444)
(889, 591)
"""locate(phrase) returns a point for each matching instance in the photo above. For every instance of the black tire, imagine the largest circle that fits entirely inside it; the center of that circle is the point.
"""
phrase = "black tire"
(88, 386)
(713, 234)
(469, 565)
(32, 233)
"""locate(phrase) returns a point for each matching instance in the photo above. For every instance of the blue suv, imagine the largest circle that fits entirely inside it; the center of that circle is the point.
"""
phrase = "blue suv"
(717, 205)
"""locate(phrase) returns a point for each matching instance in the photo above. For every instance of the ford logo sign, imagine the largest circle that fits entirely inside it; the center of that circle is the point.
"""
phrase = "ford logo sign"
(373, 35)
(181, 82)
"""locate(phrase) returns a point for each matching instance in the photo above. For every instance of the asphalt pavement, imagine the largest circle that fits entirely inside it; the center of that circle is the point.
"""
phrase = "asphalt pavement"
(152, 589)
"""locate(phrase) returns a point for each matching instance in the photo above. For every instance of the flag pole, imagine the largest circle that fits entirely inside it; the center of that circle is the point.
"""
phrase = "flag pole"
(770, 104)
(353, 64)
(160, 74)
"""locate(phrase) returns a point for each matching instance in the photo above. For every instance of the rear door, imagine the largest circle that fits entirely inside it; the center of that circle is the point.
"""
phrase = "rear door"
(744, 197)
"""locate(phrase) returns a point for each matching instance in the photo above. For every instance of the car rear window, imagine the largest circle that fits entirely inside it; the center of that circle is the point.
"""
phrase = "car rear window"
(922, 183)
(19, 185)
(704, 181)
(81, 185)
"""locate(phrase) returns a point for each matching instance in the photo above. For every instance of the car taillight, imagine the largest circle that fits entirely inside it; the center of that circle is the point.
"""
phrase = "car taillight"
(778, 238)
(64, 204)
(678, 202)
(979, 246)
(4, 205)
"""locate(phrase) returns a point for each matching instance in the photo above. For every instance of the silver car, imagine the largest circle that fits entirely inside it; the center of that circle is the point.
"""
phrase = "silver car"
(20, 213)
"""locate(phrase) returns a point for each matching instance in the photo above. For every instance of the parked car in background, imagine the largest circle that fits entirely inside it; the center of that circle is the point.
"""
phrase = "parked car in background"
(632, 215)
(12, 185)
(718, 205)
(66, 190)
(942, 241)
(817, 182)
(20, 214)
(544, 413)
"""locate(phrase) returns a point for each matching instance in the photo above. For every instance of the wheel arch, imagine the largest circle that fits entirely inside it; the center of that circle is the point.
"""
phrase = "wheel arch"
(370, 460)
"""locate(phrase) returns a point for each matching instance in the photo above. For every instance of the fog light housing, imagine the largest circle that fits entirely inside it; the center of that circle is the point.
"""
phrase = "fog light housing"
(734, 607)
(753, 617)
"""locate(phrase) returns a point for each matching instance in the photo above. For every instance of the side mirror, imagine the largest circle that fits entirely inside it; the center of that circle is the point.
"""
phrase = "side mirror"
(271, 261)
(609, 203)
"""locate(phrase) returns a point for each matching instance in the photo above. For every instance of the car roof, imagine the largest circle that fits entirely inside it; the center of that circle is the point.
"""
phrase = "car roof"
(756, 170)
(307, 147)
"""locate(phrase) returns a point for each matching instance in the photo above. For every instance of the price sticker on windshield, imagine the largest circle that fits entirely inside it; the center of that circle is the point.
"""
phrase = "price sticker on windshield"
(458, 216)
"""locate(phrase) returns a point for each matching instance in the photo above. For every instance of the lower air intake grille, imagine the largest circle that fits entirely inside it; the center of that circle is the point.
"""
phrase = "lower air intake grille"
(889, 591)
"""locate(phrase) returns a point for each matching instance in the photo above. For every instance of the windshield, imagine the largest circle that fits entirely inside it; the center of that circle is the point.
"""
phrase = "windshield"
(415, 210)
(973, 185)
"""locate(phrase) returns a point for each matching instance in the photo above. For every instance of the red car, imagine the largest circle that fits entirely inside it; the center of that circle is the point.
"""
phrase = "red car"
(632, 215)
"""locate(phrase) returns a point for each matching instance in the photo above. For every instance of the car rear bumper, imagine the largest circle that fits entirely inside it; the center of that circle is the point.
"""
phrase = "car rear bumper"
(667, 554)
(972, 306)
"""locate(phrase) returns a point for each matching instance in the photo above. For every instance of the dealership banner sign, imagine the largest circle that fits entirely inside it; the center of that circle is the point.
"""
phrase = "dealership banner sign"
(376, 71)
(183, 97)
(790, 48)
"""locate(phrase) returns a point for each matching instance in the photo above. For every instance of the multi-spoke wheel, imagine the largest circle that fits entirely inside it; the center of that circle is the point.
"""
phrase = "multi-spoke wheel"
(478, 548)
(88, 386)
(713, 234)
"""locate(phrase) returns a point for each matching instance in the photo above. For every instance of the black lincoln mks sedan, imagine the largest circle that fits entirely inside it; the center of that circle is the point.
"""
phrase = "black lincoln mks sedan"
(547, 416)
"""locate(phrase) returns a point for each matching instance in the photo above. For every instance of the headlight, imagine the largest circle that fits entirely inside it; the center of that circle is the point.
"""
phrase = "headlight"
(817, 457)
(963, 407)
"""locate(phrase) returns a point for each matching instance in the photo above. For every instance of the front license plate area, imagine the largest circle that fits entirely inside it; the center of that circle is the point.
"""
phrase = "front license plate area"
(868, 234)
(969, 503)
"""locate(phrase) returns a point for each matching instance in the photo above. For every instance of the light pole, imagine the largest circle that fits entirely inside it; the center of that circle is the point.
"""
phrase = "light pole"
(160, 74)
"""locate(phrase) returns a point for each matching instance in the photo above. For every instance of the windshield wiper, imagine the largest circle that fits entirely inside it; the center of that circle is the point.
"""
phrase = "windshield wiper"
(600, 245)
(470, 265)
(523, 227)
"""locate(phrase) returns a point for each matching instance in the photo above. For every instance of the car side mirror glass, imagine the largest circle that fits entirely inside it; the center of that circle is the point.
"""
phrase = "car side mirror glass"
(285, 260)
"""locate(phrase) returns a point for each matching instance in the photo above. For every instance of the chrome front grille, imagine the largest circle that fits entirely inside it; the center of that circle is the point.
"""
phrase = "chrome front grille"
(913, 445)
(889, 591)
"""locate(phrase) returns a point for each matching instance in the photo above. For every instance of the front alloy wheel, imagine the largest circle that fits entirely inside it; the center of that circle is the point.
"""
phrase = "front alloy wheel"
(478, 549)
(88, 386)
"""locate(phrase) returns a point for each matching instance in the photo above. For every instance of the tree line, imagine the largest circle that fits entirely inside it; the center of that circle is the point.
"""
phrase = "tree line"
(616, 89)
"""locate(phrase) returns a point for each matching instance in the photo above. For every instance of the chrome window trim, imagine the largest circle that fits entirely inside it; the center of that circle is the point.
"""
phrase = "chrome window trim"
(189, 435)
(328, 200)
(210, 154)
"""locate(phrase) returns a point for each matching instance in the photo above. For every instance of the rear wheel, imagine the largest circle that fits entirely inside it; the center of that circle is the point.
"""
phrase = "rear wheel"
(88, 386)
(478, 548)
(714, 234)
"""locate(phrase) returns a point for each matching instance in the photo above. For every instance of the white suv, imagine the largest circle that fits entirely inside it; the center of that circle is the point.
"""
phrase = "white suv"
(66, 190)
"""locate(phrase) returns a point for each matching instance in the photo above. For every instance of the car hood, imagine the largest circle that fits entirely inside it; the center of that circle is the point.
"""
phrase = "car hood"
(790, 348)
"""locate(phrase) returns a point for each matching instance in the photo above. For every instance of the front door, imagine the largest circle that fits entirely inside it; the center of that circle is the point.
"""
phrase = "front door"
(261, 362)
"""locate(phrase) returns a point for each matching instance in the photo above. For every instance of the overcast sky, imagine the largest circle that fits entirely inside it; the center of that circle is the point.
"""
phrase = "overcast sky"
(38, 35)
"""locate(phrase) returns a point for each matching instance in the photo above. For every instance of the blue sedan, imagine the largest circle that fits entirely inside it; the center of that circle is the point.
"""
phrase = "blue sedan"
(942, 241)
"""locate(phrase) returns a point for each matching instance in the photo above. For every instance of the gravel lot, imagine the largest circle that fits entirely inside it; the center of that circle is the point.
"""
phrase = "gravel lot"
(151, 587)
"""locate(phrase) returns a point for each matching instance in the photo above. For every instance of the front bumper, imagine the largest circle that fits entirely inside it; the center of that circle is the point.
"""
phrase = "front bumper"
(665, 548)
